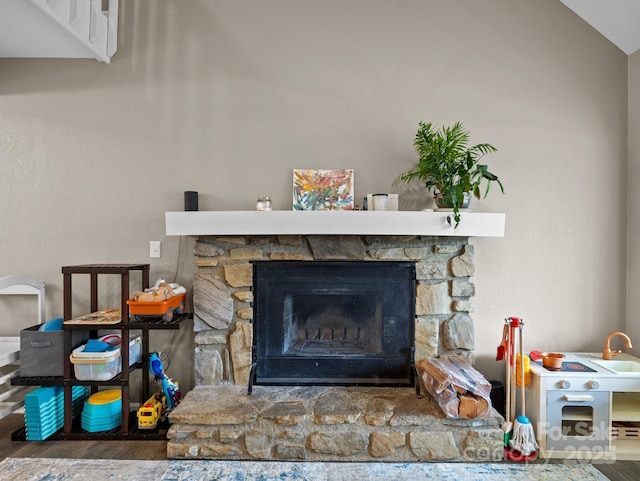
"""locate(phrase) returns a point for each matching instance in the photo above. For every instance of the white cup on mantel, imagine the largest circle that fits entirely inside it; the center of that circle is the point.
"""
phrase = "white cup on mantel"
(382, 201)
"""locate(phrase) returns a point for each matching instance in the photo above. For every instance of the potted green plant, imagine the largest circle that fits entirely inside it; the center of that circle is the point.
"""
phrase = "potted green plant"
(450, 167)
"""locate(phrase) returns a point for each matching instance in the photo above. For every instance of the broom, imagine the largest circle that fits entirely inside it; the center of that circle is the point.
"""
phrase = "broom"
(523, 438)
(507, 342)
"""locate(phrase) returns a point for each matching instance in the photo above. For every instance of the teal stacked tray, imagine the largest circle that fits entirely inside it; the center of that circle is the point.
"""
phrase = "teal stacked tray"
(44, 410)
(102, 411)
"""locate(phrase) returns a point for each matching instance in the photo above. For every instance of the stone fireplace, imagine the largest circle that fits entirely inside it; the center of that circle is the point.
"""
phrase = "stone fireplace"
(219, 420)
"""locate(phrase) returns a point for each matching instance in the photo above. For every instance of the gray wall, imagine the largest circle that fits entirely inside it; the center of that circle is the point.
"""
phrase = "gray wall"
(226, 98)
(633, 196)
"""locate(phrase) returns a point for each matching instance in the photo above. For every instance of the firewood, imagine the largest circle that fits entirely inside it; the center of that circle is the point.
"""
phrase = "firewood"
(468, 406)
(458, 389)
(441, 378)
(483, 407)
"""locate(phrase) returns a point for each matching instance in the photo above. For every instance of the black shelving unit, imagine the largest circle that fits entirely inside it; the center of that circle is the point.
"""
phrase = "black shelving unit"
(128, 428)
(95, 270)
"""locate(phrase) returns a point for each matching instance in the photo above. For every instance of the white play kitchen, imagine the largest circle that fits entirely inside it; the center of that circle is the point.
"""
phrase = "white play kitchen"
(589, 406)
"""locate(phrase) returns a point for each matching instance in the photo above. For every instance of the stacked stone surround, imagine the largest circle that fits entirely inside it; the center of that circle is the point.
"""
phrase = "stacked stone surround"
(218, 420)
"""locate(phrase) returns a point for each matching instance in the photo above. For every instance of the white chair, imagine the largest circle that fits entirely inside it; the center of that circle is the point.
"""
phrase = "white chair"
(11, 397)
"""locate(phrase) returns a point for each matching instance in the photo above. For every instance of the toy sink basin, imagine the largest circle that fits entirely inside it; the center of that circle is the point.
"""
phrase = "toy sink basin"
(620, 367)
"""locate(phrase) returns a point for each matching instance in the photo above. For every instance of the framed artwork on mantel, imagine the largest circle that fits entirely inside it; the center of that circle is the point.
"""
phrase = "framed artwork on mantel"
(322, 189)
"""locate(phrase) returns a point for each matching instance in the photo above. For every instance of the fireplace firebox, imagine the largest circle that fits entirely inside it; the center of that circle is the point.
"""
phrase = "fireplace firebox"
(333, 323)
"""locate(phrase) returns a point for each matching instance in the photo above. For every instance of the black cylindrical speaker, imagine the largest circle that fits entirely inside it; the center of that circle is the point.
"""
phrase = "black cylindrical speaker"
(190, 200)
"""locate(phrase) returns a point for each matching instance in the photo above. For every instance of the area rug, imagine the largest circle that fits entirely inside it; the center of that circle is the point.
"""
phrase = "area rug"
(53, 469)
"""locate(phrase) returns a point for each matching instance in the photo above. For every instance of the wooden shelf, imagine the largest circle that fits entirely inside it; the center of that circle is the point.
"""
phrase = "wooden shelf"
(128, 428)
(150, 323)
(95, 270)
(333, 222)
(625, 406)
(104, 268)
(626, 449)
(117, 434)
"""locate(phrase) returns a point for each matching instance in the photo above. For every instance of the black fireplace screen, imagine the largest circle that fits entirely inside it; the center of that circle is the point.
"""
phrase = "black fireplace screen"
(337, 323)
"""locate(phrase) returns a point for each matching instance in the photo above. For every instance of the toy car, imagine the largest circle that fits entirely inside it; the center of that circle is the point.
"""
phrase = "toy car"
(165, 309)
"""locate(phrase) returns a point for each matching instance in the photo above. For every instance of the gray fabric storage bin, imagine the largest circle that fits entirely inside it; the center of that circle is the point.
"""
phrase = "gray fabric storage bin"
(42, 352)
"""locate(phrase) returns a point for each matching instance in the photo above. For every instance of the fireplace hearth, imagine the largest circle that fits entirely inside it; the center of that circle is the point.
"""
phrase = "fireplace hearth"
(333, 323)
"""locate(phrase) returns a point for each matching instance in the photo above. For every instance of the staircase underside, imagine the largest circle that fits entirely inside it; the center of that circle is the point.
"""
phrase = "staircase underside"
(58, 29)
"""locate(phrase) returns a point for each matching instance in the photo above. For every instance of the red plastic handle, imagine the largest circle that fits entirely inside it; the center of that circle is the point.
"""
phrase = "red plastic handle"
(515, 321)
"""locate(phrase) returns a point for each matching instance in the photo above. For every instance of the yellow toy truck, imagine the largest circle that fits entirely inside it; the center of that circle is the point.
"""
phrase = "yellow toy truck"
(152, 411)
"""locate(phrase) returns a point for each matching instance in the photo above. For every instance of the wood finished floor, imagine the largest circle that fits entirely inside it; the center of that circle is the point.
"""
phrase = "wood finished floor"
(619, 471)
(74, 449)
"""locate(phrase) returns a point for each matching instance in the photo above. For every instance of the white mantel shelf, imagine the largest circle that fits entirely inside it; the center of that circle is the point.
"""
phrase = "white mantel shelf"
(293, 222)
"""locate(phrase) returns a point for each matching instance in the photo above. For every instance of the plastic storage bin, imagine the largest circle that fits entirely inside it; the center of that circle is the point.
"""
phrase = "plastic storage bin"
(103, 366)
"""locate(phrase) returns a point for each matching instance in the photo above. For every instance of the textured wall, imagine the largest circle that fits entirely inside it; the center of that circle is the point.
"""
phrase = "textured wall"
(633, 205)
(226, 98)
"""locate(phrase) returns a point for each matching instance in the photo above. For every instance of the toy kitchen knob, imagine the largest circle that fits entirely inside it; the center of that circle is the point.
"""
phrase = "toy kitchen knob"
(593, 384)
(562, 384)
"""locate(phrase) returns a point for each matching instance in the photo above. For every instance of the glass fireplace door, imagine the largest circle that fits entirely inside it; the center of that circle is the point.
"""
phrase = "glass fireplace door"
(348, 323)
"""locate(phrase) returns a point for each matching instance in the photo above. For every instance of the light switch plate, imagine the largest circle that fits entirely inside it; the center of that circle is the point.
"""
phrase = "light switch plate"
(154, 249)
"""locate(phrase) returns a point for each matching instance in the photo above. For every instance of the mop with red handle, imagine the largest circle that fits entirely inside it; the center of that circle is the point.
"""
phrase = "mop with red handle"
(523, 440)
